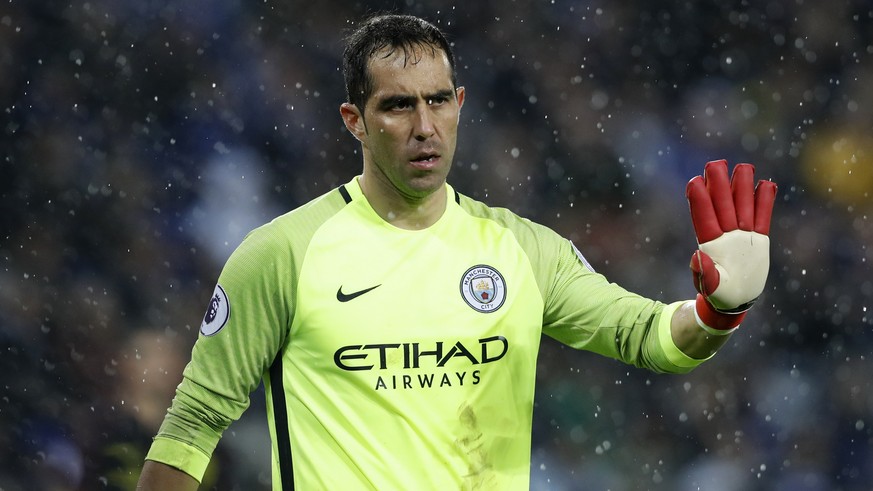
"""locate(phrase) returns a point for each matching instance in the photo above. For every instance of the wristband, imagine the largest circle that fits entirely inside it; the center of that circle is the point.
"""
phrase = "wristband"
(714, 322)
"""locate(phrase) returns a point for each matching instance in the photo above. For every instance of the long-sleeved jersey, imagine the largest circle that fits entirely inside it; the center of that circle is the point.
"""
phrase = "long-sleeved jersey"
(398, 359)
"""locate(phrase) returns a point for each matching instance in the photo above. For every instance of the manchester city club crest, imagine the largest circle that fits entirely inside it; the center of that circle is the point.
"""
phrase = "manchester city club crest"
(483, 288)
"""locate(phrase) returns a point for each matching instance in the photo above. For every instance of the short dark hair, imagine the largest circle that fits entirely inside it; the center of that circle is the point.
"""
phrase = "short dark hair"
(386, 31)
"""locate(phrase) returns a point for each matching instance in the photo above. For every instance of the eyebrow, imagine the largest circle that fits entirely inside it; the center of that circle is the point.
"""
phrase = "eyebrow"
(441, 94)
(394, 100)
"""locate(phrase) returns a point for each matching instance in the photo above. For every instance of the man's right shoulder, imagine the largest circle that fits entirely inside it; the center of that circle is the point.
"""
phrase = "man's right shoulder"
(306, 218)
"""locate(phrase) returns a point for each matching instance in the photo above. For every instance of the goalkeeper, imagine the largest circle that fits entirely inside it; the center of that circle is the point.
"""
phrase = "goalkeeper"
(396, 322)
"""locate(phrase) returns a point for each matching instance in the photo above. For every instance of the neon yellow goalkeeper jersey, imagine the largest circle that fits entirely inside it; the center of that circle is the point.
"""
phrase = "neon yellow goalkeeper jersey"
(398, 359)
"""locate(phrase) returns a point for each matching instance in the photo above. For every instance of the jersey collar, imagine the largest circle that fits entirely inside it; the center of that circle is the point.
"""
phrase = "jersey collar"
(356, 195)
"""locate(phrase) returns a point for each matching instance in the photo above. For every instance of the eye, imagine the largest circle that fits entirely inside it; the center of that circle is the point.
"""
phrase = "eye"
(437, 101)
(397, 104)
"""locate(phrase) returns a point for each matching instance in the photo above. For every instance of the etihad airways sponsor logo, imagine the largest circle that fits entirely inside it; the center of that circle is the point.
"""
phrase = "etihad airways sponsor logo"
(415, 355)
(437, 364)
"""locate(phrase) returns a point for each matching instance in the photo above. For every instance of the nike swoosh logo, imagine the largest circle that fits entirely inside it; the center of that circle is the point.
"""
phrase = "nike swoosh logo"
(345, 297)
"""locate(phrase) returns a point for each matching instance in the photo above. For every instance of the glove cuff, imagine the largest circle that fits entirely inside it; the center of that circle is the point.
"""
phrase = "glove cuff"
(714, 322)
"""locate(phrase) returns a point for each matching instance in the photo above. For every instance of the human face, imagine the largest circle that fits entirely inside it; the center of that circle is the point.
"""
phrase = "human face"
(408, 129)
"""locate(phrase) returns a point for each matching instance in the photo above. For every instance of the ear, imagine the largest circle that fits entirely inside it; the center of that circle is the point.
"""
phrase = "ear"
(460, 92)
(354, 120)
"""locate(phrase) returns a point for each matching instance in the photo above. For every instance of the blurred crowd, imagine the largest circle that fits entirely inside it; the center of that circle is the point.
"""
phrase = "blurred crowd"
(142, 140)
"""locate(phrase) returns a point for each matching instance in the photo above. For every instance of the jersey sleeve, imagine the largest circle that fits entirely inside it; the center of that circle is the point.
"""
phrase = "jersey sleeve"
(585, 311)
(243, 330)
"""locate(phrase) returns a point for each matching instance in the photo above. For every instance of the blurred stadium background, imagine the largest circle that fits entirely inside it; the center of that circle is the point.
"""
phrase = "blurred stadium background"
(142, 140)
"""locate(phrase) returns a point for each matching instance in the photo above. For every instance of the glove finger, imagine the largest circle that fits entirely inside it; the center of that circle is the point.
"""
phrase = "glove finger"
(705, 276)
(743, 191)
(715, 174)
(765, 196)
(703, 217)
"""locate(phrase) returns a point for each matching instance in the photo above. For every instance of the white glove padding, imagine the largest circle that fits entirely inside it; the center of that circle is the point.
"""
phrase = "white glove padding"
(741, 260)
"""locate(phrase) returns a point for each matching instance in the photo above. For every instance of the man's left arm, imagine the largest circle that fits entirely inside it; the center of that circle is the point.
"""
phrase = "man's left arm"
(731, 218)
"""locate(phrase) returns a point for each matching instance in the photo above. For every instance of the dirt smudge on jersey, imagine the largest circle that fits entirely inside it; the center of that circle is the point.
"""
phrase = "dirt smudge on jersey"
(471, 442)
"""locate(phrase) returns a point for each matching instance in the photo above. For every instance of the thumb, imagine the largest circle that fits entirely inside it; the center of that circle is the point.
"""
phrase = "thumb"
(705, 276)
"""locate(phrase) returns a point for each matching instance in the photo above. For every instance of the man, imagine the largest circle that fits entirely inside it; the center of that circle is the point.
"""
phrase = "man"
(396, 323)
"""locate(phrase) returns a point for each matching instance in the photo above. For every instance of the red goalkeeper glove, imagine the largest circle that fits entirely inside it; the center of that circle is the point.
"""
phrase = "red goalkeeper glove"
(732, 221)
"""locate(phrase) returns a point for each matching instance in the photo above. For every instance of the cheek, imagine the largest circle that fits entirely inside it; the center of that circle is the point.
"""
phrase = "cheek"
(385, 137)
(449, 122)
(384, 147)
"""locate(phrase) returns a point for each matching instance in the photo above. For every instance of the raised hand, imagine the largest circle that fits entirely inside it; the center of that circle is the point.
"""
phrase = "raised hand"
(731, 219)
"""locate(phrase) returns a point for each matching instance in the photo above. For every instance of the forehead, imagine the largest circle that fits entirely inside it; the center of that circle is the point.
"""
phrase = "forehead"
(412, 70)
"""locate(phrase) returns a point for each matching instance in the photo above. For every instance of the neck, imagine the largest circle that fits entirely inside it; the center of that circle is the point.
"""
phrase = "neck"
(410, 213)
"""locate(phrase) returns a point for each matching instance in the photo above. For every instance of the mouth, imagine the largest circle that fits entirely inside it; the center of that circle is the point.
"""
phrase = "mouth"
(425, 161)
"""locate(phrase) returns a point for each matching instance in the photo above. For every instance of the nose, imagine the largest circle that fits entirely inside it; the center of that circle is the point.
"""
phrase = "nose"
(423, 128)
